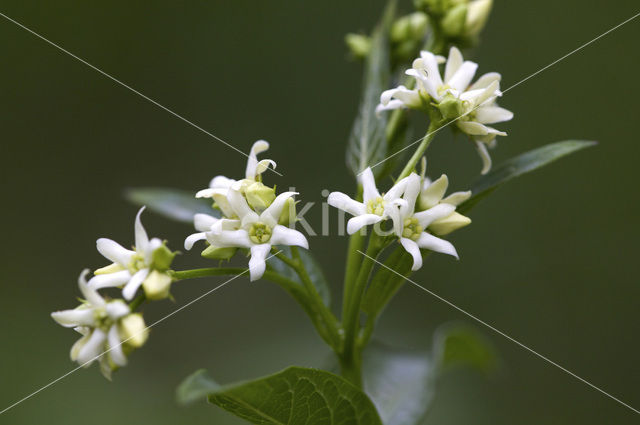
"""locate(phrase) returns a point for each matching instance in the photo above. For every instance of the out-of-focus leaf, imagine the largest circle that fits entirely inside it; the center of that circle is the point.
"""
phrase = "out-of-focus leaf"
(196, 387)
(176, 204)
(294, 396)
(313, 269)
(456, 344)
(520, 165)
(367, 143)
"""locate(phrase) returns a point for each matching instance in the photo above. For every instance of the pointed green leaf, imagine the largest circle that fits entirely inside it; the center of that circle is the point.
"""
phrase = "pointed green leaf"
(457, 344)
(520, 165)
(313, 269)
(294, 396)
(367, 142)
(176, 204)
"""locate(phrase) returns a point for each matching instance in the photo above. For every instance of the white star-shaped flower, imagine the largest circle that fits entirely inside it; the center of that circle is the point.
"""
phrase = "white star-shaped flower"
(130, 268)
(374, 207)
(410, 226)
(256, 232)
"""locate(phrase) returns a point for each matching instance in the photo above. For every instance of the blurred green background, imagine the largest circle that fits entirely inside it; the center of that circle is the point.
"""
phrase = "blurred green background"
(551, 259)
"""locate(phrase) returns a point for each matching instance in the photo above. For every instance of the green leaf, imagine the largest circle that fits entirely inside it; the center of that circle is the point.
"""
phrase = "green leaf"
(400, 383)
(176, 204)
(313, 269)
(294, 396)
(520, 165)
(457, 344)
(367, 141)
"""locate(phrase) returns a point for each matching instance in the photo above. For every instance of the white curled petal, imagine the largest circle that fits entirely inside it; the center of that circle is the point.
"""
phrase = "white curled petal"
(463, 76)
(252, 162)
(412, 248)
(221, 182)
(93, 348)
(113, 251)
(493, 114)
(484, 155)
(230, 238)
(206, 193)
(220, 198)
(394, 104)
(192, 239)
(369, 190)
(345, 203)
(117, 309)
(89, 293)
(396, 190)
(490, 94)
(457, 198)
(430, 62)
(111, 280)
(453, 63)
(427, 241)
(132, 286)
(77, 346)
(471, 95)
(426, 217)
(203, 222)
(142, 240)
(153, 244)
(262, 166)
(257, 263)
(225, 224)
(73, 318)
(282, 235)
(393, 211)
(115, 347)
(240, 206)
(271, 215)
(356, 223)
(411, 193)
(473, 128)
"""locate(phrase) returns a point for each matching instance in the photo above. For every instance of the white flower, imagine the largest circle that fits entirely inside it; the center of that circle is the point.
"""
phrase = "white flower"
(432, 194)
(104, 325)
(410, 226)
(472, 106)
(257, 232)
(130, 268)
(374, 207)
(219, 185)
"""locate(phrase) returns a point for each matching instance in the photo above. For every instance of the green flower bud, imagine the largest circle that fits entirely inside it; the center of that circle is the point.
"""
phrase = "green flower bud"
(409, 27)
(477, 16)
(156, 285)
(259, 196)
(359, 45)
(446, 225)
(288, 214)
(216, 253)
(451, 107)
(133, 330)
(162, 258)
(453, 23)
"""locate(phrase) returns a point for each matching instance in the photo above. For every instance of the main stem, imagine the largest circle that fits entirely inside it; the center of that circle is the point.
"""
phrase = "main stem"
(422, 148)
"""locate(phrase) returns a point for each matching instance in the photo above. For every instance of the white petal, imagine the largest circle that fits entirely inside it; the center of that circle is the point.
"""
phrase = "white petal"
(221, 182)
(435, 244)
(73, 318)
(89, 293)
(263, 165)
(111, 280)
(203, 222)
(115, 347)
(252, 162)
(240, 206)
(396, 190)
(225, 224)
(271, 215)
(493, 114)
(230, 238)
(413, 249)
(369, 190)
(77, 346)
(410, 194)
(394, 104)
(486, 80)
(434, 192)
(142, 240)
(472, 128)
(462, 78)
(282, 235)
(223, 203)
(192, 239)
(345, 203)
(490, 94)
(117, 309)
(457, 198)
(393, 212)
(131, 288)
(93, 348)
(426, 217)
(257, 262)
(430, 63)
(207, 193)
(113, 251)
(471, 95)
(356, 223)
(453, 63)
(484, 155)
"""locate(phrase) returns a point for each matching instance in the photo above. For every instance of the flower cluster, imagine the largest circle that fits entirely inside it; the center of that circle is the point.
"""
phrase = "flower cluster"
(470, 106)
(416, 208)
(110, 328)
(253, 217)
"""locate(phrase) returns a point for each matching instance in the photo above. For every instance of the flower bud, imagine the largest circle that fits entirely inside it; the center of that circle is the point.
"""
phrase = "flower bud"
(288, 214)
(359, 45)
(409, 27)
(453, 23)
(162, 258)
(259, 196)
(156, 285)
(216, 253)
(477, 15)
(446, 225)
(133, 330)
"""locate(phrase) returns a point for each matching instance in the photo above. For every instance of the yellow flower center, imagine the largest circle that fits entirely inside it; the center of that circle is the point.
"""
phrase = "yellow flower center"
(412, 229)
(136, 263)
(375, 206)
(259, 233)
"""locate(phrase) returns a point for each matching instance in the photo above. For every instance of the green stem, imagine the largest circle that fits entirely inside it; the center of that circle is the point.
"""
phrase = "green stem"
(354, 258)
(424, 144)
(137, 301)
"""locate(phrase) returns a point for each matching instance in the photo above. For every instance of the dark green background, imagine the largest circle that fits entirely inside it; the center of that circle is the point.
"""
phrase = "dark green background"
(550, 259)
